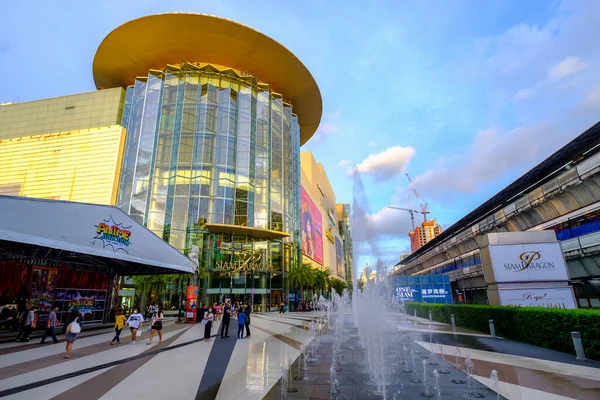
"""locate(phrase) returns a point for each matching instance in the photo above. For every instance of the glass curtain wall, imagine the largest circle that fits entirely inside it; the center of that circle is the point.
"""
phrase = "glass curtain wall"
(207, 145)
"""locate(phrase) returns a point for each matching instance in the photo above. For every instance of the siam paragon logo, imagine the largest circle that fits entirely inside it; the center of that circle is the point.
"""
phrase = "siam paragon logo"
(114, 235)
(530, 260)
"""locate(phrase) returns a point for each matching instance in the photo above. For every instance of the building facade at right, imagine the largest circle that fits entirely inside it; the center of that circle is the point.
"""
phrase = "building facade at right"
(537, 240)
(322, 243)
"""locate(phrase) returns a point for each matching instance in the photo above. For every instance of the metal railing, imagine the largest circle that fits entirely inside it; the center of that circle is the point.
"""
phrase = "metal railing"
(581, 243)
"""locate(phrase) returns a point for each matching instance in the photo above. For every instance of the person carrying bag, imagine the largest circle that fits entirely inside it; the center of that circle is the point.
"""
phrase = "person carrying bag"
(72, 331)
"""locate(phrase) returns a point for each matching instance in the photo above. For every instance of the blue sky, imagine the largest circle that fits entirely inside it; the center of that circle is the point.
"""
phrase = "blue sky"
(465, 95)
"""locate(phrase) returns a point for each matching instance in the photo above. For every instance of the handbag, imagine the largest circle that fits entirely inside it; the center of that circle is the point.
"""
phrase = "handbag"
(74, 327)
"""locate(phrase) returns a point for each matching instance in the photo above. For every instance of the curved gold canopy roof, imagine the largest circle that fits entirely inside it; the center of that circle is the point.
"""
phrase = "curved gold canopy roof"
(154, 41)
(258, 233)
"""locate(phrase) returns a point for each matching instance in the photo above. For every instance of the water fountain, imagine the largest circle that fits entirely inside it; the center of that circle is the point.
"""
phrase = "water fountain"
(381, 341)
(425, 392)
(494, 378)
(284, 383)
(457, 380)
(436, 386)
(442, 370)
(301, 363)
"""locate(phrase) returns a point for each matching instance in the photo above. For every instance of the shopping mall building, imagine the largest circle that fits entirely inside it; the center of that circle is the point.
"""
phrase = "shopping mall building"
(194, 132)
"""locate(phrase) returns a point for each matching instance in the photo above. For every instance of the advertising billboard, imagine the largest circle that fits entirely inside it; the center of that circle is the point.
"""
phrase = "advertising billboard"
(339, 257)
(312, 228)
(549, 297)
(528, 262)
(425, 288)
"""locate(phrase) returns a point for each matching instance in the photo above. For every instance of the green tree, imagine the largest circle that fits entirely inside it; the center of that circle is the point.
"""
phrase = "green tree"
(301, 277)
(321, 282)
(146, 284)
(338, 285)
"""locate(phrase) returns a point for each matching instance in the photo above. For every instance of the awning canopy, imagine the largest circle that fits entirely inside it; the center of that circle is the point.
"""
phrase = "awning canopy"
(246, 231)
(75, 235)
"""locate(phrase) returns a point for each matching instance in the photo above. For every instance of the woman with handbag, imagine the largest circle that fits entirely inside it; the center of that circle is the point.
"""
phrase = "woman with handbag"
(207, 321)
(72, 331)
(156, 325)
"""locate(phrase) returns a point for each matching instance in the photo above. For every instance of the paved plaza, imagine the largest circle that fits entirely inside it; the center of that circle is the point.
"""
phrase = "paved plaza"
(185, 367)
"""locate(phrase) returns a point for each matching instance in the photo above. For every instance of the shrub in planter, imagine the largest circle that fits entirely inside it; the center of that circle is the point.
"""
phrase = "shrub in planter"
(545, 327)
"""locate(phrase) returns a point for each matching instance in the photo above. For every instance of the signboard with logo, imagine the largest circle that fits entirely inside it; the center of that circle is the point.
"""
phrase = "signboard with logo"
(425, 288)
(552, 297)
(191, 303)
(528, 262)
(113, 235)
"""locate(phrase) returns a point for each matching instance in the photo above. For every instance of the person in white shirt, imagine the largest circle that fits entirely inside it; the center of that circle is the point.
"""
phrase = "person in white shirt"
(135, 321)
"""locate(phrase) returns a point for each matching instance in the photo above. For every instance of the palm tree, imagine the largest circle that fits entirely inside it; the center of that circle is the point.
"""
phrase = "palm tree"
(146, 284)
(301, 277)
(321, 280)
(338, 285)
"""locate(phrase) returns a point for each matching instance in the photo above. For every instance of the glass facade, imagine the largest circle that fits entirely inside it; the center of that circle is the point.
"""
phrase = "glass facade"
(210, 145)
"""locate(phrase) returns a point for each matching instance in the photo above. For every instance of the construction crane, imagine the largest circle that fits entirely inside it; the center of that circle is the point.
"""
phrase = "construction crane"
(412, 214)
(424, 210)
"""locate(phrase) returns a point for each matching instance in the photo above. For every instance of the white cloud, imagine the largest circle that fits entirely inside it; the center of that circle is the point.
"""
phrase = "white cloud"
(344, 163)
(330, 126)
(568, 66)
(593, 99)
(524, 94)
(387, 164)
(384, 223)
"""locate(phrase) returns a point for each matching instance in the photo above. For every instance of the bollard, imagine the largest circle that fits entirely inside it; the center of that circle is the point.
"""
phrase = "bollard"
(453, 321)
(415, 313)
(492, 328)
(430, 317)
(578, 346)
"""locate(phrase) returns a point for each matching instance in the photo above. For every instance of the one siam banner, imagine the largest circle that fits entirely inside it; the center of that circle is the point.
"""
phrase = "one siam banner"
(191, 303)
(423, 288)
(312, 228)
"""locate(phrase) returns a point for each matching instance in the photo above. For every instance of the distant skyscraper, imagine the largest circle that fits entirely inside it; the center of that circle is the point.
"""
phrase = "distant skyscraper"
(423, 234)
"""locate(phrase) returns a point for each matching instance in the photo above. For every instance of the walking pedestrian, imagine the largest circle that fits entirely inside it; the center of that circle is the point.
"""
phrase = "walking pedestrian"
(217, 308)
(248, 311)
(72, 331)
(207, 321)
(120, 322)
(29, 325)
(135, 321)
(226, 320)
(156, 325)
(242, 318)
(281, 308)
(22, 317)
(51, 326)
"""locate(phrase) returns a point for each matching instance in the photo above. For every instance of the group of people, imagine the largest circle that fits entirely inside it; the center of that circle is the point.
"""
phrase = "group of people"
(136, 322)
(225, 312)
